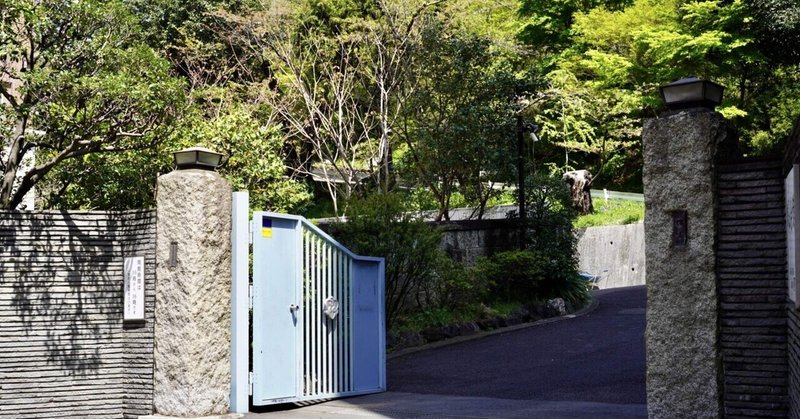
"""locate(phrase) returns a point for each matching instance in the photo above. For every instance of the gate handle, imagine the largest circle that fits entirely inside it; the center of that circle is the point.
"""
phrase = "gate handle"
(293, 308)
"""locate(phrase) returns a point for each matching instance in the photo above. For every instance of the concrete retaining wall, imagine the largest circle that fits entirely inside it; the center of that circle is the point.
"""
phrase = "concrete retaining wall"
(616, 253)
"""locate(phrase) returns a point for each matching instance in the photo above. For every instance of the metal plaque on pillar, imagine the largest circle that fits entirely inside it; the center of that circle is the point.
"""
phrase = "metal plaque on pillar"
(679, 228)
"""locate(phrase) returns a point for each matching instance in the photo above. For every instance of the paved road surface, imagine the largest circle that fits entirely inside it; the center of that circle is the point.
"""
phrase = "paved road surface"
(591, 366)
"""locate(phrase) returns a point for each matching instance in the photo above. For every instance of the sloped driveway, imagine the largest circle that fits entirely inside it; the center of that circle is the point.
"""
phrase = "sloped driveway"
(592, 366)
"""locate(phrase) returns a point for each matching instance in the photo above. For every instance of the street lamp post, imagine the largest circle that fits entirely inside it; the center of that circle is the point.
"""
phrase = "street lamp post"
(531, 128)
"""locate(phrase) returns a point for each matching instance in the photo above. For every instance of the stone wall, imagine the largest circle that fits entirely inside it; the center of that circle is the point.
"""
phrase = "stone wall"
(64, 349)
(751, 270)
(465, 241)
(615, 253)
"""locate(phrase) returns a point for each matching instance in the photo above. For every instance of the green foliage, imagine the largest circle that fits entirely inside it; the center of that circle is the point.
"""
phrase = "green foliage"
(379, 226)
(615, 212)
(549, 214)
(77, 80)
(547, 267)
(458, 123)
(254, 154)
(524, 276)
(777, 26)
(450, 287)
(549, 22)
(127, 180)
(603, 76)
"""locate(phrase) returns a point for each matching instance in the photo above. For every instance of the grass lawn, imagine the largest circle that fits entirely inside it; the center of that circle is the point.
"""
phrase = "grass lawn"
(616, 212)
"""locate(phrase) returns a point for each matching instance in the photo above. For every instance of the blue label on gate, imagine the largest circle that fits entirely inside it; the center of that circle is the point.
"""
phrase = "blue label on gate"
(266, 227)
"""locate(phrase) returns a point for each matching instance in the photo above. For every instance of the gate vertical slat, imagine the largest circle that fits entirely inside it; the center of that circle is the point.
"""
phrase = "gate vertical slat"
(314, 324)
(350, 339)
(325, 327)
(307, 313)
(342, 314)
(329, 322)
(343, 334)
(318, 317)
(349, 359)
(336, 335)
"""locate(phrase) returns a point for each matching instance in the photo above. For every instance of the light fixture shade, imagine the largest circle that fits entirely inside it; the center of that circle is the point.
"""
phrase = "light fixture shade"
(197, 158)
(691, 92)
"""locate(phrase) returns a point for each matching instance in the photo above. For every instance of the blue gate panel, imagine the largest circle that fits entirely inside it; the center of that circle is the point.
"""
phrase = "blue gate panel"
(368, 326)
(275, 340)
(318, 315)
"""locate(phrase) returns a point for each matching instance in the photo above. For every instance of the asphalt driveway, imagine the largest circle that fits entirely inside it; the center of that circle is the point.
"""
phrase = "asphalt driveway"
(598, 357)
(592, 366)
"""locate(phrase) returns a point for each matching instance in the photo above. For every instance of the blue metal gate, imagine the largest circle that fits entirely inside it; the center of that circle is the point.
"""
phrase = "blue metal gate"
(318, 315)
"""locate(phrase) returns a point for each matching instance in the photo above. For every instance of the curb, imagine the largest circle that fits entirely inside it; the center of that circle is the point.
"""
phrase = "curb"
(592, 306)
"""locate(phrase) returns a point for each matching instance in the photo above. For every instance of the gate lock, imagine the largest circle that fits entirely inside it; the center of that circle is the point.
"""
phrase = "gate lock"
(330, 307)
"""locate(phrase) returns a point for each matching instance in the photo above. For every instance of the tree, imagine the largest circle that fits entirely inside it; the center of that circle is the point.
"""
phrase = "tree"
(604, 82)
(458, 127)
(251, 145)
(548, 23)
(778, 28)
(76, 81)
(337, 69)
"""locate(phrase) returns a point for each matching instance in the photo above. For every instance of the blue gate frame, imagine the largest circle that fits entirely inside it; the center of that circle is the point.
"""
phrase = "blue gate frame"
(317, 314)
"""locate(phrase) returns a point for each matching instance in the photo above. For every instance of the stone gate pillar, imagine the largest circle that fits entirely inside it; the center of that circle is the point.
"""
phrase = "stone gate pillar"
(683, 349)
(193, 295)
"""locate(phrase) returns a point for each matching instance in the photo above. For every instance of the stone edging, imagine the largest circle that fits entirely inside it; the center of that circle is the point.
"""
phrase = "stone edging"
(593, 304)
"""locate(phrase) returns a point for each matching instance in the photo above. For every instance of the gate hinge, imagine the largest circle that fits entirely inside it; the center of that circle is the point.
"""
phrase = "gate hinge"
(250, 382)
(250, 232)
(250, 296)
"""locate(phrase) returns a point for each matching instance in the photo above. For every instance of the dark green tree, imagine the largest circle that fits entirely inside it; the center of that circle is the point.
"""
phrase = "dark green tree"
(458, 127)
(75, 80)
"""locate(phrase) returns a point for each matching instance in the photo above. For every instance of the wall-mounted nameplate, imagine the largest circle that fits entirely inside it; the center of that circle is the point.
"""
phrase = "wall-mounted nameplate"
(134, 289)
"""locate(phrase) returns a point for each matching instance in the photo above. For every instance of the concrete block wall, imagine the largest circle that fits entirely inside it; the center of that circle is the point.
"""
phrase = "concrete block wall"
(64, 349)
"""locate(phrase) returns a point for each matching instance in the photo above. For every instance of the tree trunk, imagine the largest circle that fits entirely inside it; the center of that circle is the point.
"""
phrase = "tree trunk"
(579, 183)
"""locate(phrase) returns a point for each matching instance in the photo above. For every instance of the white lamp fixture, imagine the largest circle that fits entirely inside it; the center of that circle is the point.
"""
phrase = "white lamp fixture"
(691, 92)
(197, 158)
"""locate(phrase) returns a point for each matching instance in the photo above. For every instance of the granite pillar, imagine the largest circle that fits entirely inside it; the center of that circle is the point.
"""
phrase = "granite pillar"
(684, 373)
(192, 374)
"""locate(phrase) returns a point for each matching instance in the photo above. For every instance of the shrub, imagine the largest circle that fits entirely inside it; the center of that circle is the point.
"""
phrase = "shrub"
(525, 276)
(450, 288)
(548, 266)
(516, 275)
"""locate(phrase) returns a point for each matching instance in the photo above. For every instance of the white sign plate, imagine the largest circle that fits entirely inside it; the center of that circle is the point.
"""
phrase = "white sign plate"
(134, 288)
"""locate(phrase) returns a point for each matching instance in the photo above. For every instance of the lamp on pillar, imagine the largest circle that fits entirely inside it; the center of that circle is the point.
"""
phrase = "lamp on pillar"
(691, 92)
(197, 158)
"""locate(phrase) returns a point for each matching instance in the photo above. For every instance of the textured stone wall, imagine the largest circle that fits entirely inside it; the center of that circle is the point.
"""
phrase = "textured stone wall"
(193, 300)
(751, 267)
(465, 241)
(683, 355)
(64, 349)
(616, 253)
